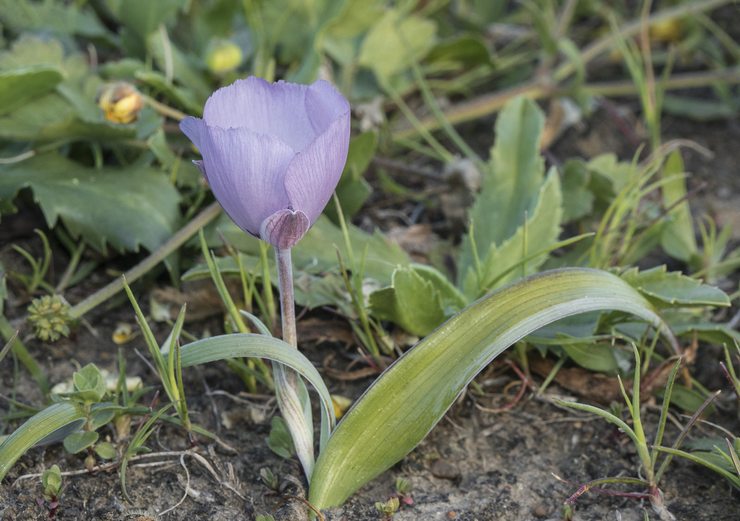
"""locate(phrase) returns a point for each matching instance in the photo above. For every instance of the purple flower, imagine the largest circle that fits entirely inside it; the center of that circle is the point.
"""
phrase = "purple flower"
(272, 153)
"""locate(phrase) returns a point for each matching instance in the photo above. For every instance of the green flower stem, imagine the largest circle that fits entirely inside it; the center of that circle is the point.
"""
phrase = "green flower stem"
(24, 356)
(291, 400)
(183, 235)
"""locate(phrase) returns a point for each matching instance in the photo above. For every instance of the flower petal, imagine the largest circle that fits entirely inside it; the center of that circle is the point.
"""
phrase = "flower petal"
(314, 173)
(324, 105)
(276, 109)
(193, 128)
(246, 174)
(285, 228)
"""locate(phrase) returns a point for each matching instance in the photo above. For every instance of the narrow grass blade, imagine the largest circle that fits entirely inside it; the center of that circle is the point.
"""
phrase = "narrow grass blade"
(40, 426)
(262, 346)
(403, 405)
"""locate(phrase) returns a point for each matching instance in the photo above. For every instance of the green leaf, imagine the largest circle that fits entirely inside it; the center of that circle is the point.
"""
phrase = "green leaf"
(63, 19)
(279, 440)
(89, 383)
(105, 450)
(40, 426)
(512, 184)
(51, 480)
(678, 234)
(125, 207)
(411, 302)
(463, 51)
(394, 42)
(19, 86)
(539, 231)
(578, 199)
(411, 396)
(674, 288)
(419, 299)
(79, 441)
(142, 17)
(594, 357)
(238, 345)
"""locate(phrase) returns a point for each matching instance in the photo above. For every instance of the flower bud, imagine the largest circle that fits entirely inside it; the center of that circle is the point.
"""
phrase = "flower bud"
(120, 102)
(49, 316)
(223, 56)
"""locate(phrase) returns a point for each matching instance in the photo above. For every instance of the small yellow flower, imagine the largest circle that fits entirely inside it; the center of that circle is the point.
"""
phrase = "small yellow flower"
(223, 56)
(120, 102)
(341, 404)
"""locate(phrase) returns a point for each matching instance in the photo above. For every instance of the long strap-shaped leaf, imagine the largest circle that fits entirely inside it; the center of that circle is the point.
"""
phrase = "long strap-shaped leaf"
(263, 346)
(40, 426)
(406, 401)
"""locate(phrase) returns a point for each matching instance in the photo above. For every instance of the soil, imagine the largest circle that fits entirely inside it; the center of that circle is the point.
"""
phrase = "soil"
(475, 465)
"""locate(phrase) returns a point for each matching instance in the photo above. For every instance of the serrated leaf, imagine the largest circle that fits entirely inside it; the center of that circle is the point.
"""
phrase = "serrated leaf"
(395, 40)
(123, 207)
(511, 185)
(411, 302)
(674, 288)
(19, 86)
(410, 397)
(79, 441)
(677, 238)
(504, 262)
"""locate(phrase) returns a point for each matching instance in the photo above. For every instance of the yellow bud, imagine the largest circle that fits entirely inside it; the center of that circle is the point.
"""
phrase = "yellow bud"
(120, 102)
(223, 56)
(669, 30)
(341, 404)
(122, 334)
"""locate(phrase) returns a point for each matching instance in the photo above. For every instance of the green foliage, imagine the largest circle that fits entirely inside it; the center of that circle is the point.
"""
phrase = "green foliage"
(418, 299)
(677, 238)
(125, 207)
(393, 41)
(89, 384)
(279, 440)
(79, 441)
(673, 288)
(353, 190)
(518, 211)
(51, 481)
(401, 406)
(22, 85)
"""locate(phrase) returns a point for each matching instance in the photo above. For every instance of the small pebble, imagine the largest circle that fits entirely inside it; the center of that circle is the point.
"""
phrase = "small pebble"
(451, 514)
(540, 511)
(445, 470)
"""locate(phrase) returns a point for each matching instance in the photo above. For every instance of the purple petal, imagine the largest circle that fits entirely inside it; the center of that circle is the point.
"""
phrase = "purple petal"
(275, 109)
(284, 228)
(246, 174)
(324, 105)
(314, 173)
(193, 128)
